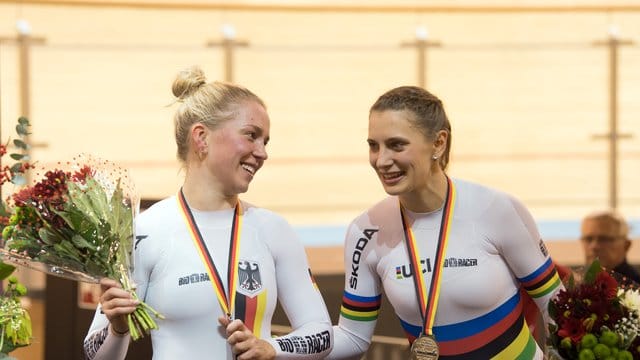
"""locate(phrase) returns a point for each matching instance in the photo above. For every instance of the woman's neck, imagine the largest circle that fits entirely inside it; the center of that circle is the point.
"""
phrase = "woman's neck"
(200, 195)
(429, 198)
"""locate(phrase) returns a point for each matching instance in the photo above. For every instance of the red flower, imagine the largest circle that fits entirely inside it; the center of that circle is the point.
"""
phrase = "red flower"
(606, 285)
(23, 197)
(590, 307)
(81, 175)
(50, 196)
(572, 328)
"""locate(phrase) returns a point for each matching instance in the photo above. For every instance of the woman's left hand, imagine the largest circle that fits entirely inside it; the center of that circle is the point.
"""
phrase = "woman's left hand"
(244, 344)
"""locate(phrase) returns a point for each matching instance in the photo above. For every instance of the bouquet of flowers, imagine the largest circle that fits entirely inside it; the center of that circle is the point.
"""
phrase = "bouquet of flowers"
(596, 319)
(79, 224)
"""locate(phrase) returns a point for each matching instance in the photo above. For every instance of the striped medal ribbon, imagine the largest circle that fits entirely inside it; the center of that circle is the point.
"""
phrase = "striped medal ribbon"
(226, 300)
(429, 302)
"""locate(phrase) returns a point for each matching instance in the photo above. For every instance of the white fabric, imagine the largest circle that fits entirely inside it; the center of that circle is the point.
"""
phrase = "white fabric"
(171, 277)
(493, 242)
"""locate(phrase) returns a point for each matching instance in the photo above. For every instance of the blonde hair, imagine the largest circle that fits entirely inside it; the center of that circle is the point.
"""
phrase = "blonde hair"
(208, 103)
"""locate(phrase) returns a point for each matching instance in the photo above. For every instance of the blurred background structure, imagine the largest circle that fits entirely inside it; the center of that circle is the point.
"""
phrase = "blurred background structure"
(543, 97)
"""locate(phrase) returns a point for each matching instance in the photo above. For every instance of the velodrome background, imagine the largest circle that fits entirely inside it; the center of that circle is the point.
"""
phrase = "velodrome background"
(526, 85)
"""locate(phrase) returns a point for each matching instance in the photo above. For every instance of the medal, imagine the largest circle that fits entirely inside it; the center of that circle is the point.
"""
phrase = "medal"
(424, 348)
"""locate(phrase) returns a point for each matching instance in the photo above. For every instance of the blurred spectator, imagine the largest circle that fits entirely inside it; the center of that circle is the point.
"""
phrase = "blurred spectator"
(605, 236)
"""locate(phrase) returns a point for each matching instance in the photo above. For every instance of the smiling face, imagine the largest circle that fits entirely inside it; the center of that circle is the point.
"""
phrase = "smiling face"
(402, 155)
(237, 148)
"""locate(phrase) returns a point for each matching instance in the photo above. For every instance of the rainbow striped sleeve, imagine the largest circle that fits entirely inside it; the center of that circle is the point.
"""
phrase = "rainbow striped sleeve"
(542, 281)
(360, 308)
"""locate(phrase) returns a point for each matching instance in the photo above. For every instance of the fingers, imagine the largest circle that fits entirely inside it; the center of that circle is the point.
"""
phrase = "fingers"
(224, 321)
(118, 306)
(106, 284)
(238, 335)
(244, 343)
(259, 350)
(118, 300)
(115, 301)
(236, 326)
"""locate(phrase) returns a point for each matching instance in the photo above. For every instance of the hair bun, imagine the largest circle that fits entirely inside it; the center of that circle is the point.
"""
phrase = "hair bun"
(187, 82)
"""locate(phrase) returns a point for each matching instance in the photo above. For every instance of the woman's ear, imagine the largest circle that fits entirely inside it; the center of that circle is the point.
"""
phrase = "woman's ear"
(199, 136)
(440, 143)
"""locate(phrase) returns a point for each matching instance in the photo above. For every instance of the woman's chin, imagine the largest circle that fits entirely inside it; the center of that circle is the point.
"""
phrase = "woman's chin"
(392, 190)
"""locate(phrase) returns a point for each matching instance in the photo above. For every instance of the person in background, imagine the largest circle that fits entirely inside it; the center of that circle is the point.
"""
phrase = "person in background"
(450, 255)
(206, 233)
(604, 235)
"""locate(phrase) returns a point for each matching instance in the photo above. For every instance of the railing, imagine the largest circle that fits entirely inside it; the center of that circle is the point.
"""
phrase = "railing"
(382, 347)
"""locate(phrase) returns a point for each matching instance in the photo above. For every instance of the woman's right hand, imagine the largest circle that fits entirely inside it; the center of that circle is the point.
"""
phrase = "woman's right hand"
(115, 304)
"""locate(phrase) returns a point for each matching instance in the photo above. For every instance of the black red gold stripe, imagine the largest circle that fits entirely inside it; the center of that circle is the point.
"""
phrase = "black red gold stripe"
(226, 300)
(429, 302)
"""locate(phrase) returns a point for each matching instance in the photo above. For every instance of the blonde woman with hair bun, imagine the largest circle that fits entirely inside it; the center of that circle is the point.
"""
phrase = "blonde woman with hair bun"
(214, 265)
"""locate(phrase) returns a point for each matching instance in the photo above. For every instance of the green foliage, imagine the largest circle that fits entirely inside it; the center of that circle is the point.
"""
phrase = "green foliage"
(23, 126)
(15, 323)
(592, 272)
(81, 225)
(6, 270)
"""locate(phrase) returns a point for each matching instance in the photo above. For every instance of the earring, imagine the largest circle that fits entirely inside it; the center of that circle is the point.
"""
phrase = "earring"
(435, 157)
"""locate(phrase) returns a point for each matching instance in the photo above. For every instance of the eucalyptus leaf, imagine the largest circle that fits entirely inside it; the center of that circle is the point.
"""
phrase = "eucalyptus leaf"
(19, 180)
(16, 168)
(20, 144)
(22, 120)
(22, 129)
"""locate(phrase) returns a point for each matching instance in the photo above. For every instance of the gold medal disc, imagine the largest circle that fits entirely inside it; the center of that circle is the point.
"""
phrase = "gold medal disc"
(424, 348)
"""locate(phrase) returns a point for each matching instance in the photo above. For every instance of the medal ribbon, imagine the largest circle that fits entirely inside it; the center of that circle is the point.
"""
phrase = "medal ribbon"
(429, 302)
(226, 300)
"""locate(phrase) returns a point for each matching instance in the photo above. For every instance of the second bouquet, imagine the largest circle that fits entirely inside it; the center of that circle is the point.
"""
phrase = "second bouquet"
(79, 224)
